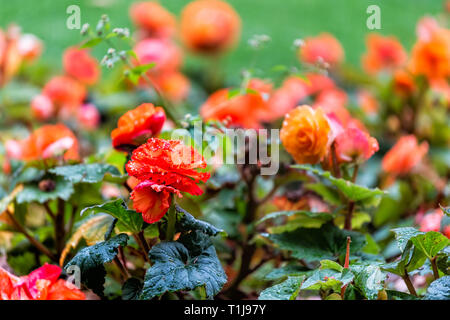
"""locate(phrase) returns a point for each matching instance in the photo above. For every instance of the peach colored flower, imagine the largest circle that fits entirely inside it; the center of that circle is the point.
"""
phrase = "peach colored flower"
(404, 155)
(153, 18)
(80, 65)
(383, 53)
(355, 145)
(174, 85)
(325, 47)
(46, 142)
(209, 26)
(306, 134)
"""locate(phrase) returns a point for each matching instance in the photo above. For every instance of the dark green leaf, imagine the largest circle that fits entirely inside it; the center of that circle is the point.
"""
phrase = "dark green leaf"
(326, 279)
(175, 268)
(131, 289)
(369, 279)
(90, 260)
(188, 222)
(289, 270)
(398, 295)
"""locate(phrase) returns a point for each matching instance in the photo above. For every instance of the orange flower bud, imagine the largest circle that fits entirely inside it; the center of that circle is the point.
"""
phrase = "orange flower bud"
(306, 134)
(404, 155)
(209, 26)
(355, 145)
(174, 85)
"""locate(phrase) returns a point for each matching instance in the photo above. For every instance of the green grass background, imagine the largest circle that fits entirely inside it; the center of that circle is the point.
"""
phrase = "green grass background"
(282, 20)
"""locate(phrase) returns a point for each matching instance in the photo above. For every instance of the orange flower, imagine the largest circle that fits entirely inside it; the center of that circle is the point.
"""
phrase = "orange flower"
(63, 90)
(79, 64)
(164, 53)
(46, 142)
(383, 53)
(209, 26)
(404, 155)
(306, 134)
(245, 110)
(324, 48)
(41, 284)
(164, 167)
(137, 125)
(355, 145)
(153, 18)
(174, 85)
(432, 57)
(332, 102)
(403, 82)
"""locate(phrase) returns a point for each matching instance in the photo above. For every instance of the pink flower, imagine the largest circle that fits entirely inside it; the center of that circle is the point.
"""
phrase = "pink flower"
(42, 107)
(432, 221)
(355, 145)
(88, 116)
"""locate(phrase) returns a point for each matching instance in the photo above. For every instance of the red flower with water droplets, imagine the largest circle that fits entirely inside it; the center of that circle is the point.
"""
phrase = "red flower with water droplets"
(164, 167)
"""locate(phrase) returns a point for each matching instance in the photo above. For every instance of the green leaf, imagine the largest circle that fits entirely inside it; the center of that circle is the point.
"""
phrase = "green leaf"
(286, 290)
(188, 222)
(328, 264)
(289, 270)
(85, 173)
(131, 289)
(327, 194)
(139, 70)
(326, 279)
(411, 259)
(91, 43)
(439, 289)
(176, 268)
(403, 235)
(323, 216)
(328, 242)
(369, 279)
(27, 174)
(90, 260)
(31, 192)
(351, 191)
(430, 243)
(129, 220)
